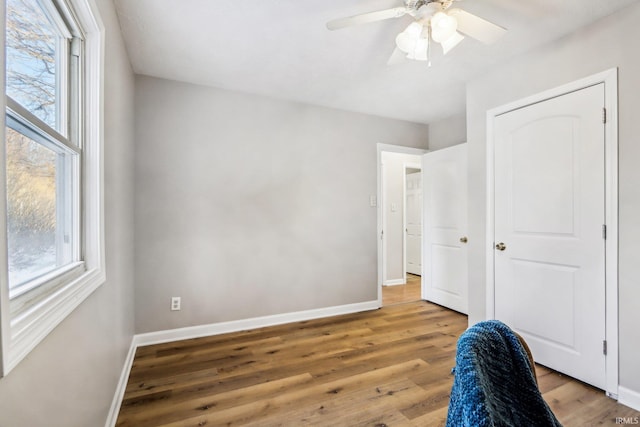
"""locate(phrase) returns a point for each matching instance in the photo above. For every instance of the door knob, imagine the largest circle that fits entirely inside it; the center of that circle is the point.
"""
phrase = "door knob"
(501, 246)
(464, 239)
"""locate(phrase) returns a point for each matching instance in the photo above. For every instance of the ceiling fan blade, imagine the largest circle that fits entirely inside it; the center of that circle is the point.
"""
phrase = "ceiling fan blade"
(476, 27)
(397, 57)
(451, 42)
(379, 15)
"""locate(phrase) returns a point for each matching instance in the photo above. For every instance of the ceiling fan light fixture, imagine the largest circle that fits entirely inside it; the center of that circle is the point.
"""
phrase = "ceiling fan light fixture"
(408, 40)
(405, 43)
(420, 51)
(433, 21)
(414, 29)
(443, 27)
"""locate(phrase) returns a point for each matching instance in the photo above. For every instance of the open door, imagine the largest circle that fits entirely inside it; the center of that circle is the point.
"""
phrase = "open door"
(444, 277)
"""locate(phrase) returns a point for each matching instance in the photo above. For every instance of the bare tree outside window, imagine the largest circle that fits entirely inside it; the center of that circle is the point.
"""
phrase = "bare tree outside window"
(31, 43)
(31, 59)
(31, 208)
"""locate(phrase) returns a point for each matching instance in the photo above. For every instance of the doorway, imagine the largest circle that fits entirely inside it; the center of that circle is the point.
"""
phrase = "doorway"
(395, 285)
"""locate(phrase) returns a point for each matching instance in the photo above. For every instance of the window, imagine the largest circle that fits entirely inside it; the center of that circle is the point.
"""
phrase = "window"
(40, 211)
(42, 151)
(52, 222)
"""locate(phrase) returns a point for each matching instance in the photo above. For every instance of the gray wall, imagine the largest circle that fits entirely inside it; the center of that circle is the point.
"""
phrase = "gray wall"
(248, 206)
(69, 380)
(609, 43)
(447, 132)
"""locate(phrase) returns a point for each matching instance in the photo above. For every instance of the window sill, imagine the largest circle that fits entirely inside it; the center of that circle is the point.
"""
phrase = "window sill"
(29, 327)
(49, 280)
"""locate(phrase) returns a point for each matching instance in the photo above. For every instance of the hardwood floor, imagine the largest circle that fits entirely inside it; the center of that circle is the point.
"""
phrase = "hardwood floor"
(387, 367)
(399, 294)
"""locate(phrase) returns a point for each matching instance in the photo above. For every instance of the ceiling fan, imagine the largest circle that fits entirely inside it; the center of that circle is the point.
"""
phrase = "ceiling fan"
(433, 20)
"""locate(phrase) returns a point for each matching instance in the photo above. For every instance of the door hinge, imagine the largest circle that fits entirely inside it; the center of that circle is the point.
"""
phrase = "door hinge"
(604, 347)
(604, 115)
(604, 231)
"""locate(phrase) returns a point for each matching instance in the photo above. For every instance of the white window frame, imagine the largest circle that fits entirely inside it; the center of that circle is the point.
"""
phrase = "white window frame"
(26, 320)
(67, 204)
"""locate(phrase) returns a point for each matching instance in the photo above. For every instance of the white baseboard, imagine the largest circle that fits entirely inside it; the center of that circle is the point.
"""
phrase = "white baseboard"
(628, 397)
(253, 323)
(112, 417)
(159, 337)
(394, 282)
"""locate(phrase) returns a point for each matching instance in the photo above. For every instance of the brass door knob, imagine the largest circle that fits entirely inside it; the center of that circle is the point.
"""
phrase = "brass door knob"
(464, 239)
(501, 246)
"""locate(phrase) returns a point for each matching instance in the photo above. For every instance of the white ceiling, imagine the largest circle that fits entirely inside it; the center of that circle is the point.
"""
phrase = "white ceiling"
(282, 49)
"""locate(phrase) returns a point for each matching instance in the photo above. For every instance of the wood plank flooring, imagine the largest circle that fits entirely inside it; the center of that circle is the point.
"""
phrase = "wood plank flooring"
(387, 367)
(399, 294)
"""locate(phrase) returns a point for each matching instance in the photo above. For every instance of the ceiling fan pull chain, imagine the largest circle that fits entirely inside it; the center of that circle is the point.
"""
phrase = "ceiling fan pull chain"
(429, 46)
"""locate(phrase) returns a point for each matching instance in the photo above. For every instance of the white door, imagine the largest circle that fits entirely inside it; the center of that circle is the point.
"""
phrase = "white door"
(413, 218)
(445, 227)
(549, 216)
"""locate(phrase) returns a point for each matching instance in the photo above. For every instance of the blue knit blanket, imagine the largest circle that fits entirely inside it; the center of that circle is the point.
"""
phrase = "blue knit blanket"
(494, 382)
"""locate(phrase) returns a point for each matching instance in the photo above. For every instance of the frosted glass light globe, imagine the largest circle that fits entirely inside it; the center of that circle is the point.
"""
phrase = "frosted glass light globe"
(443, 26)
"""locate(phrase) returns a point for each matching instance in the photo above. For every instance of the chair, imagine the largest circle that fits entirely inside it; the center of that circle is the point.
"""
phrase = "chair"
(495, 383)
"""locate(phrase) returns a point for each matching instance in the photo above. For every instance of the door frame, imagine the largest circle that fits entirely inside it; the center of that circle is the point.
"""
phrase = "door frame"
(610, 80)
(406, 166)
(380, 148)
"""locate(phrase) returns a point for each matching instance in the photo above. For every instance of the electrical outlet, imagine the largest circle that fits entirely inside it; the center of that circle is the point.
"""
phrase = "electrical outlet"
(175, 303)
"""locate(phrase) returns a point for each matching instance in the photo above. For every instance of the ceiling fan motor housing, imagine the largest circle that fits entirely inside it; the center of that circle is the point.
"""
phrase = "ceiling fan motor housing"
(417, 4)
